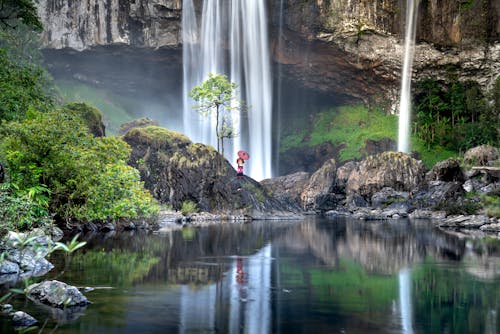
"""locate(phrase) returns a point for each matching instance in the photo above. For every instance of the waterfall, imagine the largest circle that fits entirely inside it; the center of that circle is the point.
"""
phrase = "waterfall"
(241, 27)
(405, 98)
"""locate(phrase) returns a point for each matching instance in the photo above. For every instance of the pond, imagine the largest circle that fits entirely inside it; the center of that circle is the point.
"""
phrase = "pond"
(312, 276)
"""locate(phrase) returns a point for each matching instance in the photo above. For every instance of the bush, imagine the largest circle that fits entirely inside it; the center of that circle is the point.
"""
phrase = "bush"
(188, 207)
(87, 177)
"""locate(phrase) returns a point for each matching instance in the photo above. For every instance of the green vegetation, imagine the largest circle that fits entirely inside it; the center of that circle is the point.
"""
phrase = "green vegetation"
(188, 207)
(456, 116)
(347, 127)
(111, 106)
(217, 95)
(51, 163)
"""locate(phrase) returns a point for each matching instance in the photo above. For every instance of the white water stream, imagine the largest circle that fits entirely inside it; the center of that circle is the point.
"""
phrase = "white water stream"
(231, 39)
(405, 99)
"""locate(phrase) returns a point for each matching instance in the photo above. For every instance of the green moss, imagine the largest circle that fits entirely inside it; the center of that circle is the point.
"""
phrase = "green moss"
(157, 136)
(347, 126)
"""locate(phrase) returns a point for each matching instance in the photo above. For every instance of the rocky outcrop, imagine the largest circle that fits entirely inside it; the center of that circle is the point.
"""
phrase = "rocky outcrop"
(396, 170)
(288, 188)
(318, 193)
(176, 170)
(81, 25)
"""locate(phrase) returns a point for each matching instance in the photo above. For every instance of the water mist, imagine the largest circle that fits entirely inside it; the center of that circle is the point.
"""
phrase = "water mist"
(242, 25)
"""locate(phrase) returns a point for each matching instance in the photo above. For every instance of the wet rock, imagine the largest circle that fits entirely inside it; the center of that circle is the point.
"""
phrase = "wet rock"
(490, 227)
(6, 308)
(56, 294)
(462, 221)
(22, 320)
(437, 193)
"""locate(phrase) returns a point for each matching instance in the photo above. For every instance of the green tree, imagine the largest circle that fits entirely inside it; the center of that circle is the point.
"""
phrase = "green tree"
(16, 12)
(217, 95)
(87, 178)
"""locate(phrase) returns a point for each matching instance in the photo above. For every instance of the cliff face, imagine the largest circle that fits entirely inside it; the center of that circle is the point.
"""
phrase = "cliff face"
(351, 49)
(80, 24)
(356, 46)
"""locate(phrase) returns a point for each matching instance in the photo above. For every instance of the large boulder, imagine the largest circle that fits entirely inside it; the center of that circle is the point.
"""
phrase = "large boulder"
(288, 188)
(318, 194)
(176, 170)
(448, 170)
(396, 170)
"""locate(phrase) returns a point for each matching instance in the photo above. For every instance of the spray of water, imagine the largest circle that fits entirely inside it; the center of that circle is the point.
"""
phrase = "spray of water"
(405, 99)
(242, 25)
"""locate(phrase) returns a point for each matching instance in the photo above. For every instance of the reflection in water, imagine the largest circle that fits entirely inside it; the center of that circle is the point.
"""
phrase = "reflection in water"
(405, 300)
(325, 276)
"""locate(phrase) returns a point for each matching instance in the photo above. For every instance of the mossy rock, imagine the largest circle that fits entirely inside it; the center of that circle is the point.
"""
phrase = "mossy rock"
(137, 123)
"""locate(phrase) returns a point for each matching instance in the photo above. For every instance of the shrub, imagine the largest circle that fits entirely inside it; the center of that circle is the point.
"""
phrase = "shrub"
(188, 207)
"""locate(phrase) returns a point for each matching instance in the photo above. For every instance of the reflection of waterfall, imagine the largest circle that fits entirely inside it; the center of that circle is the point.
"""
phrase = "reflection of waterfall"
(405, 99)
(405, 300)
(197, 308)
(242, 25)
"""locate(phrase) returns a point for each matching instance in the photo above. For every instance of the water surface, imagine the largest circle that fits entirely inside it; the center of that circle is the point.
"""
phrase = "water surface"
(311, 276)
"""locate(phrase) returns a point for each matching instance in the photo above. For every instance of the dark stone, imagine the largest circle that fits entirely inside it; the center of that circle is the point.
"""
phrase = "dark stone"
(21, 320)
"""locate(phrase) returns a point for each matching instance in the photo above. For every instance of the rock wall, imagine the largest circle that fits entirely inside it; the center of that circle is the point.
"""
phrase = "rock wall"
(356, 47)
(86, 23)
(349, 49)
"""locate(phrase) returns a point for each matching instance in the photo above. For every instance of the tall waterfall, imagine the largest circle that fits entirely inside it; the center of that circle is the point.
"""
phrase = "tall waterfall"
(231, 39)
(405, 99)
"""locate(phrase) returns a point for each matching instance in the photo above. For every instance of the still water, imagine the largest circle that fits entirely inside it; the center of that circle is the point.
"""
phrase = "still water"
(311, 276)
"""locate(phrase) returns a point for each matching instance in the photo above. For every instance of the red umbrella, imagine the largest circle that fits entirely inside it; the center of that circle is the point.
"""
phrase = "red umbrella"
(243, 155)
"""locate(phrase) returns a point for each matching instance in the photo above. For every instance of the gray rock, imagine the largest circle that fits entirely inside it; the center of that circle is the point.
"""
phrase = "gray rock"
(396, 170)
(56, 294)
(490, 227)
(481, 155)
(287, 188)
(387, 196)
(21, 320)
(317, 194)
(448, 170)
(9, 267)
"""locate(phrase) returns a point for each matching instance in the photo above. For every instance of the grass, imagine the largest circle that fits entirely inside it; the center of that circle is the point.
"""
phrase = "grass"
(109, 104)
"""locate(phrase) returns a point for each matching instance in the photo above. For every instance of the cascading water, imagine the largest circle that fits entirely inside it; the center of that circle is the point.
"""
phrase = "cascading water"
(241, 24)
(405, 99)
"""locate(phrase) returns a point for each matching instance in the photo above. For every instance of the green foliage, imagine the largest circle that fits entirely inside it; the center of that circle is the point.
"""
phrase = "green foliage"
(188, 207)
(88, 177)
(455, 116)
(16, 12)
(90, 115)
(22, 87)
(71, 246)
(217, 95)
(492, 204)
(21, 212)
(347, 127)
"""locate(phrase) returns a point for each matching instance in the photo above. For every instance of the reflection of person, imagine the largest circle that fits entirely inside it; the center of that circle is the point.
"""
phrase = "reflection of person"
(240, 163)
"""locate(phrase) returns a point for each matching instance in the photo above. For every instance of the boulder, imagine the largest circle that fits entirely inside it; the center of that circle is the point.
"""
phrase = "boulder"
(448, 170)
(56, 294)
(396, 170)
(287, 188)
(343, 173)
(317, 194)
(481, 155)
